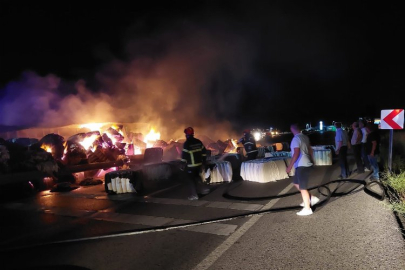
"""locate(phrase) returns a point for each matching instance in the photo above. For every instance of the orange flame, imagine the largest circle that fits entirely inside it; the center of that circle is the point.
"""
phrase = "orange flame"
(151, 138)
(235, 145)
(92, 126)
(111, 137)
(47, 148)
(117, 129)
(88, 142)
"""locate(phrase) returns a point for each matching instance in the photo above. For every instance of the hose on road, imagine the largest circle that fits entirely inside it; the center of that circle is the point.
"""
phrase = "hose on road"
(322, 189)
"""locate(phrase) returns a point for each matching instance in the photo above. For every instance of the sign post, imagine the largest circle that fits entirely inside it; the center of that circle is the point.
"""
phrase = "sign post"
(392, 119)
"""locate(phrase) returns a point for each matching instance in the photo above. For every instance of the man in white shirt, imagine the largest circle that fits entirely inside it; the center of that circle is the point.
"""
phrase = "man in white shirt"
(342, 144)
(356, 145)
(366, 162)
(302, 160)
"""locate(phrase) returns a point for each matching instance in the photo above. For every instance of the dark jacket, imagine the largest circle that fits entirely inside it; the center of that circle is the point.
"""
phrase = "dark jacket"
(373, 136)
(194, 153)
(249, 143)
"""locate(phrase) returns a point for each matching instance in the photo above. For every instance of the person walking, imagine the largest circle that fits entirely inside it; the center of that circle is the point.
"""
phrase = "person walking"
(364, 157)
(373, 149)
(303, 161)
(249, 143)
(355, 142)
(342, 143)
(194, 155)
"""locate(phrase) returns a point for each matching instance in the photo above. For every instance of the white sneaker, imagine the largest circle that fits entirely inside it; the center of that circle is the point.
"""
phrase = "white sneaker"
(305, 212)
(193, 198)
(367, 170)
(314, 200)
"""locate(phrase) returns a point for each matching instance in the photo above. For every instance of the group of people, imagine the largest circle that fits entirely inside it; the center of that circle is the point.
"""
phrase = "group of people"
(364, 140)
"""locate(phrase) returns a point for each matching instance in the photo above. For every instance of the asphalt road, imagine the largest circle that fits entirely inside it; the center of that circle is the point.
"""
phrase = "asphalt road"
(88, 229)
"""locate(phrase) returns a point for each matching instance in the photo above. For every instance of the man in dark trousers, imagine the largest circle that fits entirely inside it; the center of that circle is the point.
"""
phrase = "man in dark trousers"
(194, 155)
(342, 144)
(249, 143)
(373, 149)
(357, 136)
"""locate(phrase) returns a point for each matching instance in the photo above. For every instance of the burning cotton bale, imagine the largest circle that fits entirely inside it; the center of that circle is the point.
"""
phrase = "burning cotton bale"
(53, 143)
(75, 156)
(114, 135)
(92, 147)
(108, 143)
(101, 154)
(48, 166)
(75, 152)
(121, 146)
(35, 158)
(98, 155)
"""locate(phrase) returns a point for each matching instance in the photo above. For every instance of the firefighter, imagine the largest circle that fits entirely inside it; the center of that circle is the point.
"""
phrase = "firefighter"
(194, 155)
(249, 144)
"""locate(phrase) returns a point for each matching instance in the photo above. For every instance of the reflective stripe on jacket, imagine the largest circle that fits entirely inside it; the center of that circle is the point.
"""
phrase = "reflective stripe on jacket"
(194, 152)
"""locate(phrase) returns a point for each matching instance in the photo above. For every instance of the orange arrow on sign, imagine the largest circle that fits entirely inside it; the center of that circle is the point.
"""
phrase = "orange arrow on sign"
(389, 119)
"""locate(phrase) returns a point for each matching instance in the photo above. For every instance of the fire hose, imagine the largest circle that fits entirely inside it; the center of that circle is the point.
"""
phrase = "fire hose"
(322, 189)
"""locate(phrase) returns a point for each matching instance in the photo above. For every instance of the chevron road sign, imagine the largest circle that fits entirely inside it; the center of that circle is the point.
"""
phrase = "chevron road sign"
(392, 119)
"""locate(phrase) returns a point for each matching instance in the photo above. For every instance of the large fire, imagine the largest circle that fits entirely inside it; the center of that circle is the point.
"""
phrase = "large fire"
(133, 146)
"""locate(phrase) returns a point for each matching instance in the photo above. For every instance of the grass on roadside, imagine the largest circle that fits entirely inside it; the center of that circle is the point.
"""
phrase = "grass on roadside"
(396, 182)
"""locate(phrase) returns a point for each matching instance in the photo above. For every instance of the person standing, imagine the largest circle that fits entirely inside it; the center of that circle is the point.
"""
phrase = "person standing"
(356, 146)
(364, 156)
(194, 155)
(342, 143)
(249, 143)
(373, 149)
(302, 160)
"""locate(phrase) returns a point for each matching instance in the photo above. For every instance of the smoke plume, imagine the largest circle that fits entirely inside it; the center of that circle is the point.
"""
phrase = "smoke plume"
(193, 79)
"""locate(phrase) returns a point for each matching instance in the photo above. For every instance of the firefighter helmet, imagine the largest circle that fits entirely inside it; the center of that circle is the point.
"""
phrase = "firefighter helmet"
(189, 131)
(246, 131)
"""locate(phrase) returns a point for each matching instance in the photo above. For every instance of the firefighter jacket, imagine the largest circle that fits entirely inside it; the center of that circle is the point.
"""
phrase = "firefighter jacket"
(194, 153)
(249, 143)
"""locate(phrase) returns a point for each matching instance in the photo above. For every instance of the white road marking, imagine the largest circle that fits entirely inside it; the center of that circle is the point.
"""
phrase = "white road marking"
(221, 249)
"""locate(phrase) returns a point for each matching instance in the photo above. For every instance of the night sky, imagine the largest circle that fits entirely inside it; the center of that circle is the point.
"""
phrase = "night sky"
(215, 65)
